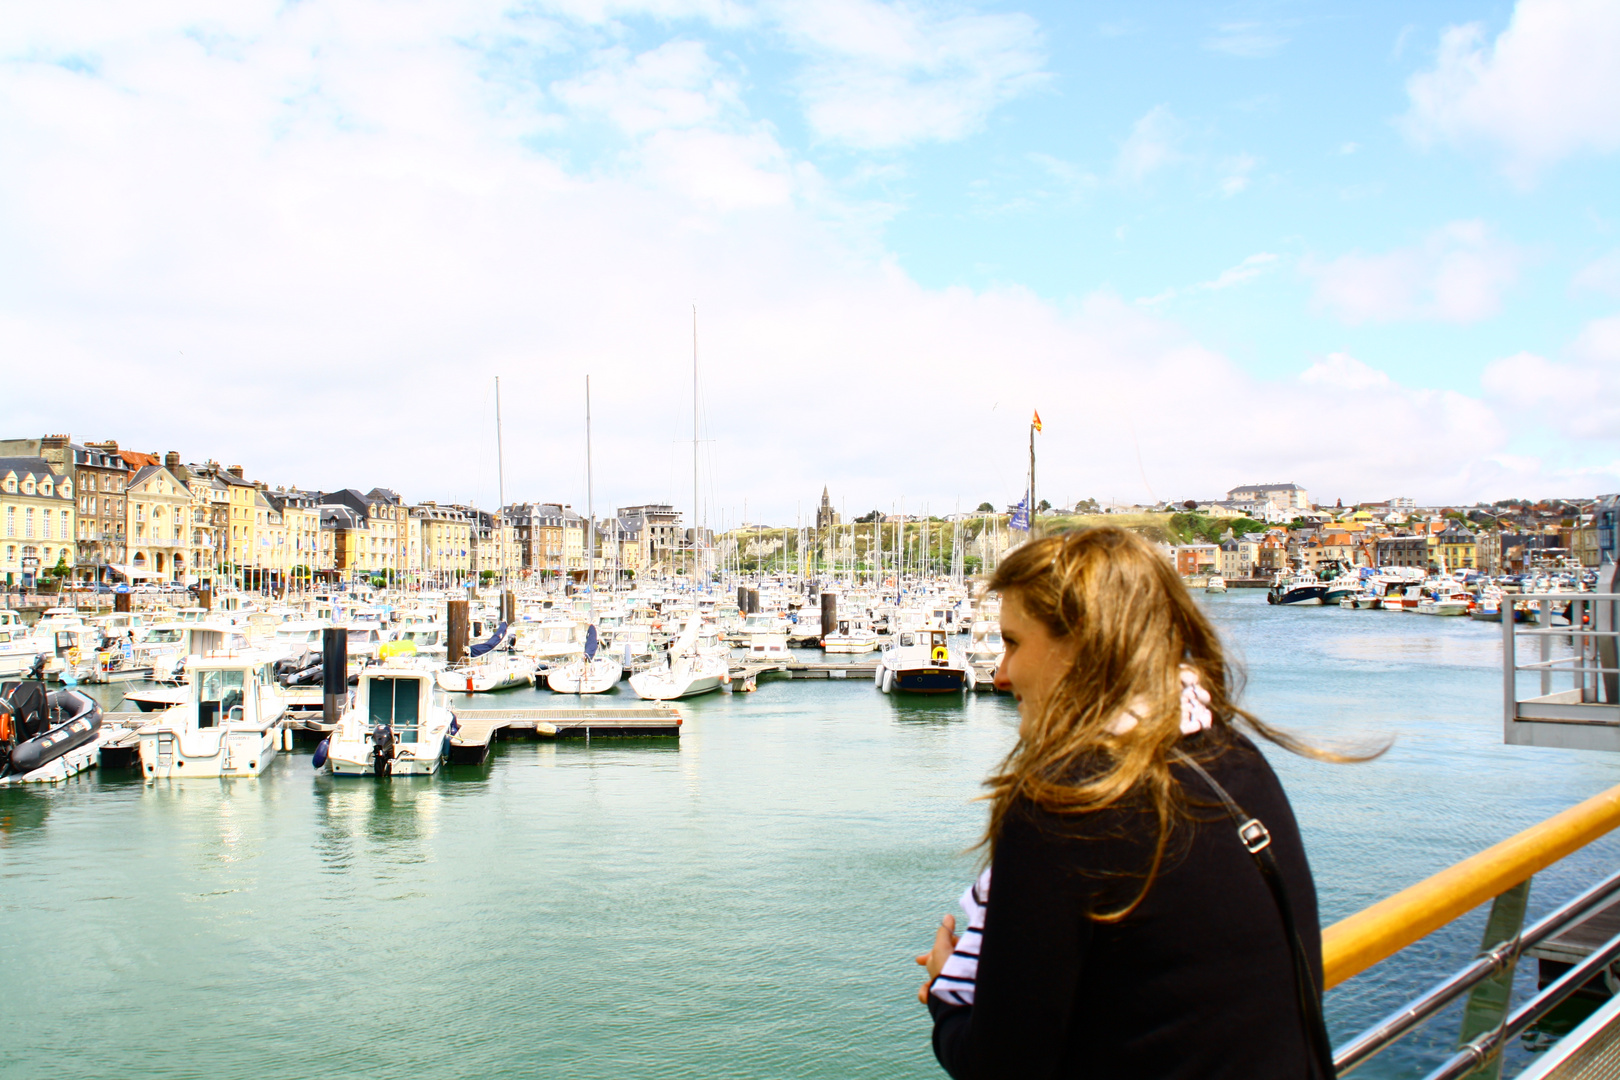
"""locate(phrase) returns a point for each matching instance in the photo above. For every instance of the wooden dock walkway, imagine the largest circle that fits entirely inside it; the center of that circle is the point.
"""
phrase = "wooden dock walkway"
(983, 674)
(1559, 954)
(479, 728)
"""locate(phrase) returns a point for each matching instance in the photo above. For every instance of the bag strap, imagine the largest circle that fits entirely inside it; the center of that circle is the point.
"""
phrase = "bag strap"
(1256, 840)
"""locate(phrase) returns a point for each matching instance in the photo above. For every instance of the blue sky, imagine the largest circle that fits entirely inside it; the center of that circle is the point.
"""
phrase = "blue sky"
(1369, 248)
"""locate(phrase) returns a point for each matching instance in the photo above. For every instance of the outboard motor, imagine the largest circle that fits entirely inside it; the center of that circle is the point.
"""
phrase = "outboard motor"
(382, 750)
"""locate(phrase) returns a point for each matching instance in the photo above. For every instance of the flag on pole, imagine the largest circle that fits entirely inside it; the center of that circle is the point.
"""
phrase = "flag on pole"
(1036, 423)
(1020, 516)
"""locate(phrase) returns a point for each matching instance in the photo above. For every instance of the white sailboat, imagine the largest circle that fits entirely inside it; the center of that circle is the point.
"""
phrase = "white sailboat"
(591, 673)
(687, 671)
(689, 668)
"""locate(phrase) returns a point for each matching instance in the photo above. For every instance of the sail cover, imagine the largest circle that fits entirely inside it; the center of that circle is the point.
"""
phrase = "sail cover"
(485, 646)
(590, 642)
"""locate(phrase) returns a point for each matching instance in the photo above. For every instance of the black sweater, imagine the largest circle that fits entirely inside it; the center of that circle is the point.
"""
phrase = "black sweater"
(1197, 982)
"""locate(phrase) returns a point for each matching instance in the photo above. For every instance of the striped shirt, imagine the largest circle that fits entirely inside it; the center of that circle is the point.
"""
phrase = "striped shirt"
(954, 984)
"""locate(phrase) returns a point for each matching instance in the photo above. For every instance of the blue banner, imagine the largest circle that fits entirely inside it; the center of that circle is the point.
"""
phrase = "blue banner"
(1020, 516)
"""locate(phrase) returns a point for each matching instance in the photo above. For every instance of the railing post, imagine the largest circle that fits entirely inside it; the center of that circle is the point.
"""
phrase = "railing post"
(1510, 669)
(1488, 1002)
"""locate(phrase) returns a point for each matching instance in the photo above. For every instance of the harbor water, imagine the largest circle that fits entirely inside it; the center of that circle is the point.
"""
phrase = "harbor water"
(743, 902)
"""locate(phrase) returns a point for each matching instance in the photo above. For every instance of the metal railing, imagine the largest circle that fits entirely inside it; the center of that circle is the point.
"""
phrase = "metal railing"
(1577, 705)
(1500, 873)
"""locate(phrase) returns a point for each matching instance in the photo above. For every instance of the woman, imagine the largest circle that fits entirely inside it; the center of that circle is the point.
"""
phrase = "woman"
(1122, 929)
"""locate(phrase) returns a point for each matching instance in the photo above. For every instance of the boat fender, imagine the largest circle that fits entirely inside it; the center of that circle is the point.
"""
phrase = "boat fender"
(320, 753)
(888, 680)
(455, 725)
(286, 738)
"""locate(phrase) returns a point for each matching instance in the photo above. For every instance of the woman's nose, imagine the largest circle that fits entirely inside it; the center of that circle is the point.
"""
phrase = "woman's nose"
(1001, 682)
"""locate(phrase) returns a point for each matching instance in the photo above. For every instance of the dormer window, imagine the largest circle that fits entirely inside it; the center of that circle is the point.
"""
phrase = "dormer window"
(28, 485)
(11, 485)
(45, 488)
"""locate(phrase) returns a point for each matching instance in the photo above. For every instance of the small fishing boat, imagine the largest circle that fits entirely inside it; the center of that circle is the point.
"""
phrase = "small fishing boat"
(230, 724)
(397, 726)
(1215, 584)
(923, 662)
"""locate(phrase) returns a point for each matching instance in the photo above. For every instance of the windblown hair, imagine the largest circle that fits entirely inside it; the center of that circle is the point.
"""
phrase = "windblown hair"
(1133, 625)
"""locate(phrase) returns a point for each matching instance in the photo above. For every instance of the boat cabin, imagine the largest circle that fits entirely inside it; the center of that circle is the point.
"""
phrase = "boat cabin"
(229, 690)
(398, 697)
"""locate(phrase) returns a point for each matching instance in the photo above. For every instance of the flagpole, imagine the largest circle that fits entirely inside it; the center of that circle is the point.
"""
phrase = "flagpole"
(1032, 480)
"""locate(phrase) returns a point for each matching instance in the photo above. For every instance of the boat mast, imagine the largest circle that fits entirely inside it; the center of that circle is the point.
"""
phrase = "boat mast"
(695, 533)
(500, 493)
(590, 507)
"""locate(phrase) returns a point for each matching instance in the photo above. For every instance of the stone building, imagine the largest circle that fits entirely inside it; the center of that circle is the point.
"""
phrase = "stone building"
(37, 504)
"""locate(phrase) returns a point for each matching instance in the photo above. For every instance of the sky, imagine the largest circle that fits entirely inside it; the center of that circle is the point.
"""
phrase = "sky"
(1369, 248)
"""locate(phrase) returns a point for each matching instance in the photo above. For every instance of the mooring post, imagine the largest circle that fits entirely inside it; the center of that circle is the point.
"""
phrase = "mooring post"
(334, 672)
(205, 597)
(508, 606)
(829, 613)
(455, 621)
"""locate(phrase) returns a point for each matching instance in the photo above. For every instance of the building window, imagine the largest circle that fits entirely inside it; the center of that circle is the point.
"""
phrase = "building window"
(67, 530)
(11, 521)
(28, 523)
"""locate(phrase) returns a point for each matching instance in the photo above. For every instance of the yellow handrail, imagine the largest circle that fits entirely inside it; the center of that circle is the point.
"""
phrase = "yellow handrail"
(1354, 944)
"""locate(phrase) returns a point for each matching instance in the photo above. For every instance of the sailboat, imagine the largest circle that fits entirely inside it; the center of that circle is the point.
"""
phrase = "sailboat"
(489, 666)
(592, 673)
(589, 673)
(689, 668)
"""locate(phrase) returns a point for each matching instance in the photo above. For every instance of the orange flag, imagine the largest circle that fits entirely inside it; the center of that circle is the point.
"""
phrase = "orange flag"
(1036, 423)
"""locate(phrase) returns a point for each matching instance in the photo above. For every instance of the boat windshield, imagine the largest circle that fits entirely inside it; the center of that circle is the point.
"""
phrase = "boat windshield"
(362, 637)
(162, 635)
(396, 701)
(219, 694)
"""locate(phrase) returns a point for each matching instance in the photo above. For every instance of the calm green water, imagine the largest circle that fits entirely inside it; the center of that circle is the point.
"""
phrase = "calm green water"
(744, 904)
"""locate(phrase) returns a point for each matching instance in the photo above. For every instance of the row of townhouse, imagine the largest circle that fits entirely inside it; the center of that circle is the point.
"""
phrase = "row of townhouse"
(108, 513)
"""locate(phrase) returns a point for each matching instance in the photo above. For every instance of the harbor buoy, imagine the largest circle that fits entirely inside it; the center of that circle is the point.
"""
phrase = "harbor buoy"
(320, 753)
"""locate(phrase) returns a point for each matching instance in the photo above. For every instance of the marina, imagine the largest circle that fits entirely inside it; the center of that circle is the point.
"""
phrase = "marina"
(598, 818)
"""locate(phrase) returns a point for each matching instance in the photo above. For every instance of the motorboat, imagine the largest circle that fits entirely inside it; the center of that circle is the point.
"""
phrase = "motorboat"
(166, 647)
(46, 735)
(984, 642)
(1301, 588)
(229, 725)
(688, 669)
(19, 648)
(923, 662)
(1345, 585)
(398, 725)
(1215, 584)
(593, 672)
(852, 636)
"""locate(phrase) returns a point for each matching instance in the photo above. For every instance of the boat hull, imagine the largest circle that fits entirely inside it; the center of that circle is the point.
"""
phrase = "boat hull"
(929, 680)
(170, 755)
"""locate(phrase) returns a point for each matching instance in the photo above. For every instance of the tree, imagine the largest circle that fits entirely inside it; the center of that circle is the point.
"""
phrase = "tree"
(1042, 507)
(986, 508)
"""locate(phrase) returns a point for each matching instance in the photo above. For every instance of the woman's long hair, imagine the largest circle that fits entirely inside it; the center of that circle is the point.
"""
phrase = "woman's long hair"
(1133, 625)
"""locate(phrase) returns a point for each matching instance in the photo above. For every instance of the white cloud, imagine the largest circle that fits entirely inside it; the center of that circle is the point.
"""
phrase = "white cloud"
(1250, 40)
(1546, 88)
(1345, 372)
(1247, 270)
(675, 85)
(1601, 275)
(1580, 398)
(1236, 170)
(1151, 146)
(309, 249)
(1458, 274)
(883, 75)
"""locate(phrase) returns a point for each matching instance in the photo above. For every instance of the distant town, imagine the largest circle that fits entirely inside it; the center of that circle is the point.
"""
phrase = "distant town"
(99, 515)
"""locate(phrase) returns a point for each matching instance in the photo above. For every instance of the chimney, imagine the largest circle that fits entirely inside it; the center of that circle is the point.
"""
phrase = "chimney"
(236, 471)
(171, 460)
